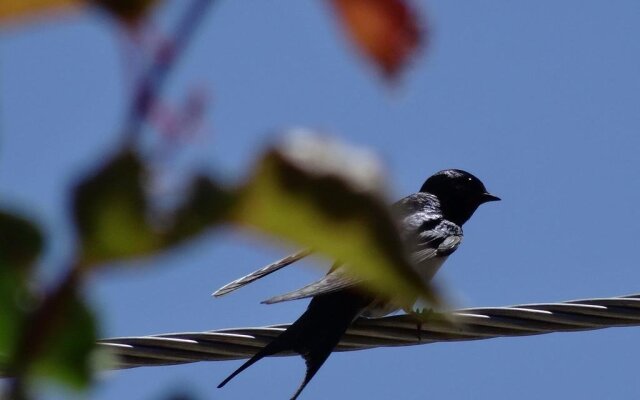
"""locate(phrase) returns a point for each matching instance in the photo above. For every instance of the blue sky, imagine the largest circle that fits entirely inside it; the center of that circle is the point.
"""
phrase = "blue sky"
(538, 99)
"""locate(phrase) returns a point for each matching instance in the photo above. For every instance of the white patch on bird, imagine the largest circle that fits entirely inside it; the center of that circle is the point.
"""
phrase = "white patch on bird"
(426, 270)
(379, 309)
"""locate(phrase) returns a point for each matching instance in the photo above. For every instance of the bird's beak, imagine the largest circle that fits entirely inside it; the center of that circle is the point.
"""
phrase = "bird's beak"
(487, 197)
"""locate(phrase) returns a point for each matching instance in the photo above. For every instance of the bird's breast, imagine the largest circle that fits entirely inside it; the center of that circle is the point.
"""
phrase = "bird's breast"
(426, 270)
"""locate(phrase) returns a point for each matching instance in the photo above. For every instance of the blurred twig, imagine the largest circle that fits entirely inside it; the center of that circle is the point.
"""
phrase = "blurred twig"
(153, 79)
(41, 325)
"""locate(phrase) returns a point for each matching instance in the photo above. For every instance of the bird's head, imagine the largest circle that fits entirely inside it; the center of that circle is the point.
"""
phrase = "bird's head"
(459, 193)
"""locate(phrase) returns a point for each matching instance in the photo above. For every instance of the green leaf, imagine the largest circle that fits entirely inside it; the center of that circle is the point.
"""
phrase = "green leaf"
(20, 241)
(207, 205)
(20, 245)
(68, 353)
(320, 194)
(110, 211)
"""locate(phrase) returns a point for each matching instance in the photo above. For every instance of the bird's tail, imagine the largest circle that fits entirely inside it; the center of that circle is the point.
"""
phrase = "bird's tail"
(315, 334)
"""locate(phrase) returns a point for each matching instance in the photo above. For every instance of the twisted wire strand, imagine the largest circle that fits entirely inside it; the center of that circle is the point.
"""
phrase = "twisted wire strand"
(399, 330)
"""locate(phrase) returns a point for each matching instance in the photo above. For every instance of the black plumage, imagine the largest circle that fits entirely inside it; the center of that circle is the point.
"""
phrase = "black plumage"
(431, 228)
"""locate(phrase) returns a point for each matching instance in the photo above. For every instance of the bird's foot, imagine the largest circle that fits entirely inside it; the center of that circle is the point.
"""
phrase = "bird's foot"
(421, 315)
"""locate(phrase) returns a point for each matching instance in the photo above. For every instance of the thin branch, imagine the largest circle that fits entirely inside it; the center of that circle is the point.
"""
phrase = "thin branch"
(154, 78)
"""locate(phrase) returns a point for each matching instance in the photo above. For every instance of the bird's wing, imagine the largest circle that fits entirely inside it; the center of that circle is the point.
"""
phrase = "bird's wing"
(399, 207)
(332, 282)
(416, 226)
(431, 243)
(438, 242)
(264, 271)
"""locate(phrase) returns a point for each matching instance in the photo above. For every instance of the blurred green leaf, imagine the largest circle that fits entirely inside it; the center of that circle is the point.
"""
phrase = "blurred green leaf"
(52, 337)
(63, 352)
(312, 191)
(110, 212)
(68, 350)
(20, 241)
(207, 205)
(320, 194)
(20, 245)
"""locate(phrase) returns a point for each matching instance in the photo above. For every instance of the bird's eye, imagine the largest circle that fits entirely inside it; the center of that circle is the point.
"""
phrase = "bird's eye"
(469, 179)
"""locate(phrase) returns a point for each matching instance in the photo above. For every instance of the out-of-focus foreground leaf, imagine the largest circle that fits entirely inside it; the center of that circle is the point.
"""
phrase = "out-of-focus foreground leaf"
(206, 206)
(386, 31)
(68, 350)
(312, 191)
(128, 11)
(320, 194)
(20, 245)
(110, 210)
(63, 351)
(19, 9)
(113, 215)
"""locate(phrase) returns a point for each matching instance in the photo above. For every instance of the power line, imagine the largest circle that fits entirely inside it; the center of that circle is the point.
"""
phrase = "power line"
(399, 330)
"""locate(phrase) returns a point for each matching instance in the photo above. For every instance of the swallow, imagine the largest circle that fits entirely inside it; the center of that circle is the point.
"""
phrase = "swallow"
(431, 228)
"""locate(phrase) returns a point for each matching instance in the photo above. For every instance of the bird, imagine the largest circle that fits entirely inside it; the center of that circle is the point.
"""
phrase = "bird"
(430, 226)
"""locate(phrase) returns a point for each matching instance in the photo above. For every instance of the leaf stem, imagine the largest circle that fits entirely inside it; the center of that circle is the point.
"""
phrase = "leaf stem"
(153, 80)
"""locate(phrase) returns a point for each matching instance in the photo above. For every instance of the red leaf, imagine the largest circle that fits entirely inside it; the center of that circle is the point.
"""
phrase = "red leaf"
(387, 31)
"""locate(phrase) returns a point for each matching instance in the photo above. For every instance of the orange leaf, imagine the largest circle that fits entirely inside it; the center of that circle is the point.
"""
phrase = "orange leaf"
(128, 11)
(387, 31)
(19, 9)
